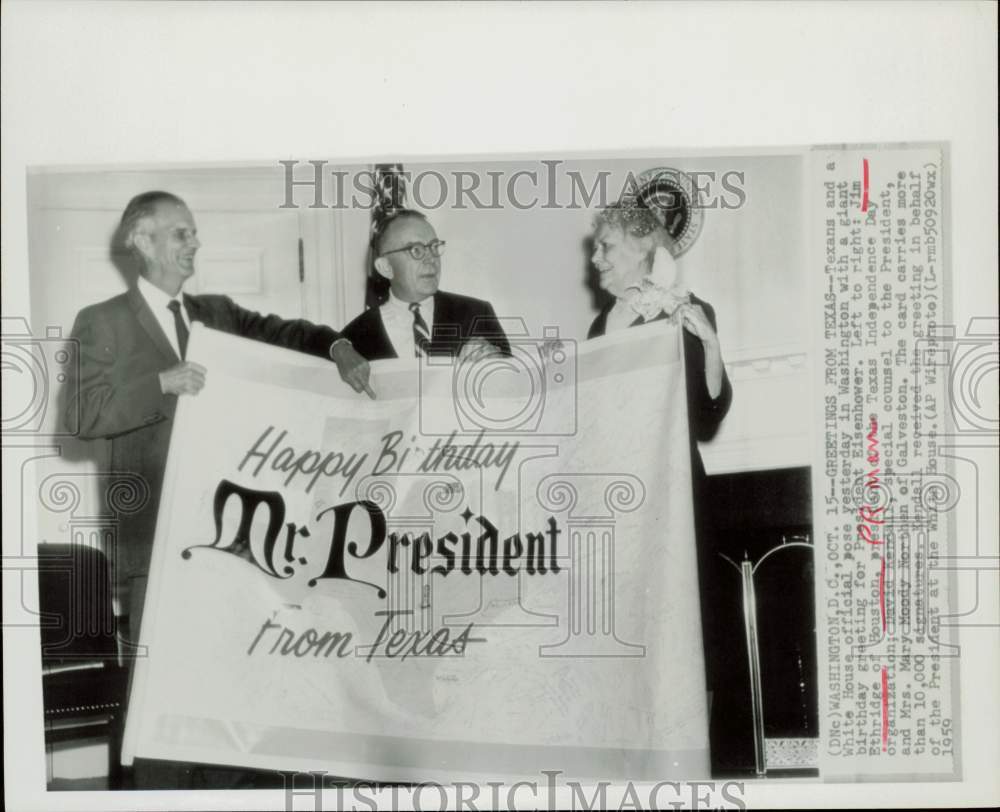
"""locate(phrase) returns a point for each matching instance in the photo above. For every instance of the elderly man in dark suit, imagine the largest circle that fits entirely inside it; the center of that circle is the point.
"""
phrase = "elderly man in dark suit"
(133, 367)
(417, 319)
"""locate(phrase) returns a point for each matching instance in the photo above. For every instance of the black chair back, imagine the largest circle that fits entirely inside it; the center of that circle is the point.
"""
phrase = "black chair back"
(83, 691)
(77, 616)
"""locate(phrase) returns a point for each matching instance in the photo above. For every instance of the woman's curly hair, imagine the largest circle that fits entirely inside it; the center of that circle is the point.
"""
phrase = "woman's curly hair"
(635, 220)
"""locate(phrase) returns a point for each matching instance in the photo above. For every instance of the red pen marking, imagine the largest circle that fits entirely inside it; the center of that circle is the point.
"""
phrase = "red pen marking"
(873, 456)
(885, 709)
(871, 516)
(864, 192)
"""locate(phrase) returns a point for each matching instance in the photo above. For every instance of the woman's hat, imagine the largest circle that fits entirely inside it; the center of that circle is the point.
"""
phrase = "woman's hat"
(672, 196)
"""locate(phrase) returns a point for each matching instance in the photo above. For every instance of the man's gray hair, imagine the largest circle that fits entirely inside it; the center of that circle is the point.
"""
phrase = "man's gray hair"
(140, 207)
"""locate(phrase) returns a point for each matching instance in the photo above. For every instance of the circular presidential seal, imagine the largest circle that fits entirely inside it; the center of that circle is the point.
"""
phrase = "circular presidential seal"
(672, 196)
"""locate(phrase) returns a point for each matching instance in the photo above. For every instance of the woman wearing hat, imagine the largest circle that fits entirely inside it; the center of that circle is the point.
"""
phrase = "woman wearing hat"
(632, 255)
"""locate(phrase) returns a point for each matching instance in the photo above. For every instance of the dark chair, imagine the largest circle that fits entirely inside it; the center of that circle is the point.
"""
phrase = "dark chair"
(83, 685)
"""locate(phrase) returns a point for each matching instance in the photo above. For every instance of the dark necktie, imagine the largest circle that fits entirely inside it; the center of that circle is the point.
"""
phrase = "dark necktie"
(421, 335)
(180, 326)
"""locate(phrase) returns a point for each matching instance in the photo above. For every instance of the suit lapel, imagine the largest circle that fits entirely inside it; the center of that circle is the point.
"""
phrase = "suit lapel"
(199, 309)
(149, 323)
(192, 306)
(447, 327)
(385, 349)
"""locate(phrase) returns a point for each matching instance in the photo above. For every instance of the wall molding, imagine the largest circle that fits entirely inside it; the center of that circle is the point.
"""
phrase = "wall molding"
(769, 424)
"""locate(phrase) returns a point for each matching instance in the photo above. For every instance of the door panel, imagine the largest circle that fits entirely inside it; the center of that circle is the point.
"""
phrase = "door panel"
(251, 256)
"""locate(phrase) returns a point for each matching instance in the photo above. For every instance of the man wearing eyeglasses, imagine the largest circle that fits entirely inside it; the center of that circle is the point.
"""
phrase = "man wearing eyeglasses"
(417, 319)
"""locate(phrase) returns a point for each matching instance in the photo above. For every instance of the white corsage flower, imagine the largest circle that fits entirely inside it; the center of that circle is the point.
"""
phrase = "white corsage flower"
(662, 291)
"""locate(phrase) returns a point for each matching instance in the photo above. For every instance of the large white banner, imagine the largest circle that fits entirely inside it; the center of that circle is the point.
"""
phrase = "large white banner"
(488, 570)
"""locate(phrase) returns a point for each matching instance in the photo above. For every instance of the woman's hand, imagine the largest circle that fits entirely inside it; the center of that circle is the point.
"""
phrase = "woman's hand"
(695, 321)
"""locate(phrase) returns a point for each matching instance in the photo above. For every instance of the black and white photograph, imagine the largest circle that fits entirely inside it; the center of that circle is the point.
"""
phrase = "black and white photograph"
(497, 276)
(489, 473)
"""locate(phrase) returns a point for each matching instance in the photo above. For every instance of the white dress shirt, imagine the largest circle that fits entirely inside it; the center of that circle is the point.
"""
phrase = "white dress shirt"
(398, 321)
(159, 302)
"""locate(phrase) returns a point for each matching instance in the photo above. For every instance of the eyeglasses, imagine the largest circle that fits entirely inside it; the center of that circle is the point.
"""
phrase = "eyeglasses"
(418, 250)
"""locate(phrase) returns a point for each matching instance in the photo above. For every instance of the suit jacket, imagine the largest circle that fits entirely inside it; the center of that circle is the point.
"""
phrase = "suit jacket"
(456, 320)
(122, 351)
(705, 413)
